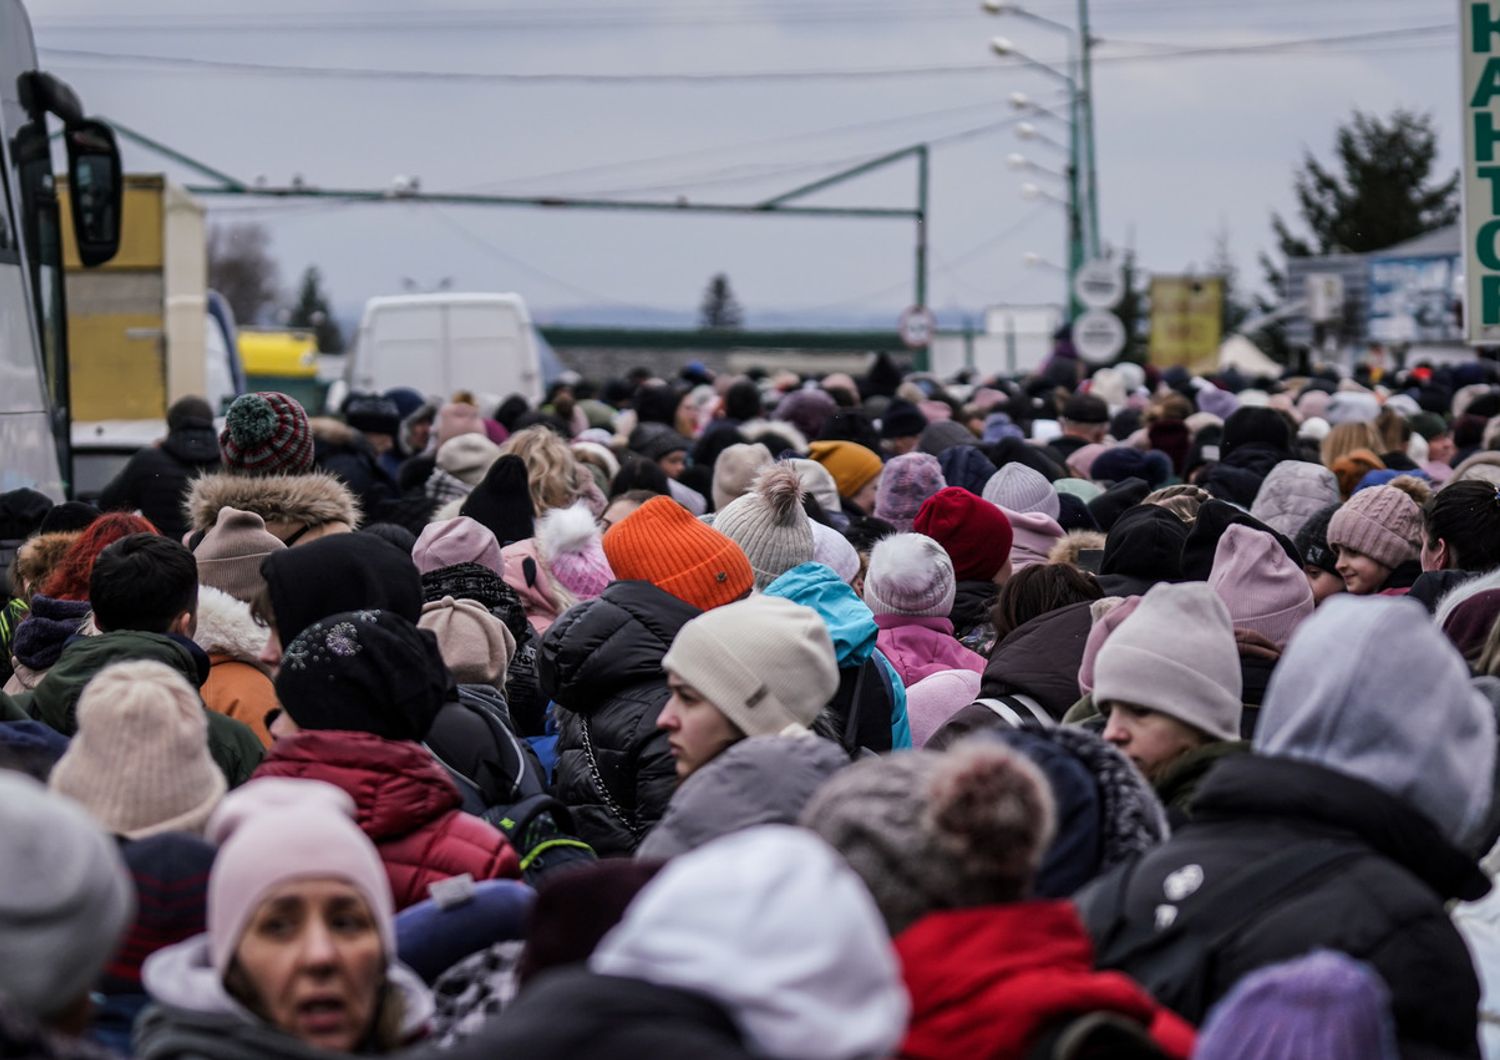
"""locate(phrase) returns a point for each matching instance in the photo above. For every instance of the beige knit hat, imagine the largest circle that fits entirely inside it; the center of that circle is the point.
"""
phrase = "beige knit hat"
(467, 457)
(1381, 522)
(735, 471)
(769, 524)
(230, 554)
(140, 762)
(765, 662)
(476, 646)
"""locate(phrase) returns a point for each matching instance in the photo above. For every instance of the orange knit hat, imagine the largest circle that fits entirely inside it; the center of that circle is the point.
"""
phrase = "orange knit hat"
(851, 464)
(661, 543)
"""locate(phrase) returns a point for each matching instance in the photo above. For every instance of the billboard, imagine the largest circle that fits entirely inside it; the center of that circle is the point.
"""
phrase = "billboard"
(1187, 320)
(1415, 300)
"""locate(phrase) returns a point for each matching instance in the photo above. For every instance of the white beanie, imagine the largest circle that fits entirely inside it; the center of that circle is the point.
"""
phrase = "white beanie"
(1018, 488)
(766, 663)
(140, 762)
(833, 550)
(910, 574)
(1176, 655)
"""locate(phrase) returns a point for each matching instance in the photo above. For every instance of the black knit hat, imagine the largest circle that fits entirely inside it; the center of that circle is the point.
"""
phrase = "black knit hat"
(364, 671)
(1264, 426)
(474, 581)
(1214, 518)
(655, 440)
(373, 415)
(69, 515)
(902, 419)
(502, 501)
(21, 513)
(1312, 542)
(341, 572)
(1085, 408)
(1113, 502)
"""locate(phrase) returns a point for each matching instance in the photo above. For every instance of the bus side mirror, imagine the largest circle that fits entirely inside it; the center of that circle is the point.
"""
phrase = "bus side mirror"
(96, 188)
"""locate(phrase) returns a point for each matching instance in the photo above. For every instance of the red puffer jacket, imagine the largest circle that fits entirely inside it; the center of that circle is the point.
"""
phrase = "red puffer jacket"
(987, 982)
(406, 804)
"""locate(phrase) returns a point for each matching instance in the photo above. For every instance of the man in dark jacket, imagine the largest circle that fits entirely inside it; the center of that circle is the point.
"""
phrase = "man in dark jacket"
(155, 481)
(1348, 828)
(601, 664)
(1255, 441)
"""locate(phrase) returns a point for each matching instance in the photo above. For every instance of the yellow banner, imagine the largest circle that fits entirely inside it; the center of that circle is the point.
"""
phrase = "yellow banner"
(1187, 321)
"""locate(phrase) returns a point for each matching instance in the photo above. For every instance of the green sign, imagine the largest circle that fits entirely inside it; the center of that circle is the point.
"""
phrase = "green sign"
(1480, 21)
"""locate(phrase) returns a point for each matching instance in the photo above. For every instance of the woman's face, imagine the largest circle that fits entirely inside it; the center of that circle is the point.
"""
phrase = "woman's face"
(1150, 739)
(313, 957)
(673, 464)
(864, 500)
(1323, 583)
(697, 731)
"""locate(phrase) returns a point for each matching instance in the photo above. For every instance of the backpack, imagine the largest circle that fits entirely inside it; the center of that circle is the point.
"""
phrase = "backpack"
(858, 718)
(1172, 956)
(513, 795)
(1095, 1036)
(1017, 709)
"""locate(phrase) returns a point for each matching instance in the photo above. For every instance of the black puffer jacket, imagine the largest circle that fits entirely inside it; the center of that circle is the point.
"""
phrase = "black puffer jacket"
(155, 481)
(601, 664)
(1385, 906)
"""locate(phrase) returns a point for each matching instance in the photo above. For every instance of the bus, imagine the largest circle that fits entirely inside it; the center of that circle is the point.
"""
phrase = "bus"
(35, 444)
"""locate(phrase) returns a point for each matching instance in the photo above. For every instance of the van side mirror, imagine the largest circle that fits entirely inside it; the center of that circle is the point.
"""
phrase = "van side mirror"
(96, 188)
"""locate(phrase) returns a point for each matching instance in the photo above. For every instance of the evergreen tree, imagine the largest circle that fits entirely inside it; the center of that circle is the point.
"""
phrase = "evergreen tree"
(720, 310)
(311, 311)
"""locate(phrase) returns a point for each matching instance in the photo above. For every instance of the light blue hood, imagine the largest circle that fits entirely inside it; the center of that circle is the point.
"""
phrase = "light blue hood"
(1370, 687)
(851, 625)
(849, 621)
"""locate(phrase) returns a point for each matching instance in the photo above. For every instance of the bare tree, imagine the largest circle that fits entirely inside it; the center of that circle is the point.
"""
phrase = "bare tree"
(241, 268)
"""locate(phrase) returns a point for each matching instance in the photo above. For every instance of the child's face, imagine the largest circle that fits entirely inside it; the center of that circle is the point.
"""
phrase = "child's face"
(1324, 584)
(1362, 575)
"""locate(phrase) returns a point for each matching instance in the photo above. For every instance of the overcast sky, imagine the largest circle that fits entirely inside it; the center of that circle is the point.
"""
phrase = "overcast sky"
(1186, 146)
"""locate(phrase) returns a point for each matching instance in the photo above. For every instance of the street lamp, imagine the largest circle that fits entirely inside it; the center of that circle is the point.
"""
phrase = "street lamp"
(1032, 260)
(1015, 160)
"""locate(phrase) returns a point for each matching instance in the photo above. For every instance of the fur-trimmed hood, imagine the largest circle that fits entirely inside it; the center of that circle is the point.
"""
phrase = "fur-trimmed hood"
(334, 432)
(1071, 546)
(1465, 591)
(288, 503)
(225, 627)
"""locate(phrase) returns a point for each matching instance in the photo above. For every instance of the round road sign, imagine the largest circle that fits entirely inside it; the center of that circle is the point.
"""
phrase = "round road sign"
(917, 326)
(1099, 284)
(1099, 336)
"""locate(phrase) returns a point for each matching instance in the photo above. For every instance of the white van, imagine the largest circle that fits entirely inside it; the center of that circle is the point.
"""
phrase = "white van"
(439, 343)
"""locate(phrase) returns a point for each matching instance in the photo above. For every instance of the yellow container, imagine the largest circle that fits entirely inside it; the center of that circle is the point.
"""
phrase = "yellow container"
(287, 354)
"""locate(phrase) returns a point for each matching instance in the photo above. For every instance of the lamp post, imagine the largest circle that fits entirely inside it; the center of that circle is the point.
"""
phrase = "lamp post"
(1083, 213)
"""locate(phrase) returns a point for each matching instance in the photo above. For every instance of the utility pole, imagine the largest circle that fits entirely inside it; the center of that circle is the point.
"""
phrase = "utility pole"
(1086, 89)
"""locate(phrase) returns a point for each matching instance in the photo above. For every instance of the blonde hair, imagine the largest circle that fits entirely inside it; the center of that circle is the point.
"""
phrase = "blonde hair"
(1182, 500)
(551, 471)
(1348, 437)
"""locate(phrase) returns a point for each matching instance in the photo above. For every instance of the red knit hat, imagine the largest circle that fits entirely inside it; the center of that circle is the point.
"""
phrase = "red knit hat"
(661, 543)
(266, 434)
(975, 533)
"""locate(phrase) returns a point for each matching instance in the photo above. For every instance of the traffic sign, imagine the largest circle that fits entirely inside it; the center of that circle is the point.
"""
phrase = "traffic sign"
(1099, 336)
(917, 326)
(1099, 284)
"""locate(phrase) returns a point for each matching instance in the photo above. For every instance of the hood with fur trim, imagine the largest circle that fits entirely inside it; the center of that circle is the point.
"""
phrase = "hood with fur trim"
(1071, 546)
(225, 627)
(1460, 593)
(316, 501)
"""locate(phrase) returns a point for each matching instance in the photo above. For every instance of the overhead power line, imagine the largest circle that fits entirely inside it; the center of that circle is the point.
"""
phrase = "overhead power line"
(192, 63)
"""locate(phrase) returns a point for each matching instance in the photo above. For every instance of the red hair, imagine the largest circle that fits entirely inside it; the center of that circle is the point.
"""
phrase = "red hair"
(70, 580)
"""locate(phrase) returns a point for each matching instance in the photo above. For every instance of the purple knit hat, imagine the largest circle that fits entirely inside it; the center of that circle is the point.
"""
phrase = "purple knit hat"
(454, 541)
(1323, 1006)
(907, 482)
(807, 410)
(1220, 403)
(266, 434)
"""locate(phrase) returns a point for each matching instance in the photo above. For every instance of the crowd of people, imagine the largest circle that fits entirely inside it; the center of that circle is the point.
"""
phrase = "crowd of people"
(1102, 712)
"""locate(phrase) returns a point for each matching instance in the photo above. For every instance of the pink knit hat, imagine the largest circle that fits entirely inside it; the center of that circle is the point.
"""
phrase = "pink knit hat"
(140, 762)
(274, 830)
(1263, 588)
(910, 574)
(1382, 523)
(570, 542)
(1082, 460)
(454, 541)
(1099, 633)
(907, 481)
